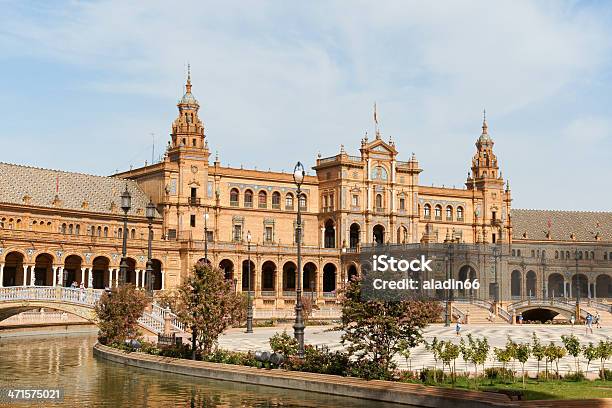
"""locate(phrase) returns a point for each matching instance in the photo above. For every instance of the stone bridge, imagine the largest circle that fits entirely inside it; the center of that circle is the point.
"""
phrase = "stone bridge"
(14, 300)
(563, 307)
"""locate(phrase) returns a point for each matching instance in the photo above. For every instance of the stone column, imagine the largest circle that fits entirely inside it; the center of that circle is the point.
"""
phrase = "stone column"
(89, 278)
(144, 274)
(61, 275)
(25, 274)
(137, 273)
(1, 275)
(32, 275)
(163, 280)
(54, 275)
(83, 276)
(111, 274)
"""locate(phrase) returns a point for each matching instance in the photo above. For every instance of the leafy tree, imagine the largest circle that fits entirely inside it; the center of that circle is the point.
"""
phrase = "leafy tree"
(604, 352)
(435, 348)
(449, 352)
(465, 352)
(118, 313)
(511, 350)
(572, 345)
(404, 350)
(284, 344)
(522, 355)
(554, 353)
(207, 303)
(590, 353)
(479, 351)
(537, 350)
(503, 356)
(373, 329)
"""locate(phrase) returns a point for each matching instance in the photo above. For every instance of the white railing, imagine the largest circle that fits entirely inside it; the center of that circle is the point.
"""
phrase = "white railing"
(601, 306)
(87, 297)
(504, 314)
(163, 312)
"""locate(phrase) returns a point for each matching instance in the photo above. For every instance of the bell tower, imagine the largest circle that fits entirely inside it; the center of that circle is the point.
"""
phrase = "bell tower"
(485, 169)
(187, 129)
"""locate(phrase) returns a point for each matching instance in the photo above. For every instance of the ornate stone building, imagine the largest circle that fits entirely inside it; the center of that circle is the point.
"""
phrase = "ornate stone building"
(59, 227)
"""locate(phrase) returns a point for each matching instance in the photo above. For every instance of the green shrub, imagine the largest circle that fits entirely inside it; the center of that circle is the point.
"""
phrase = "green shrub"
(576, 376)
(284, 344)
(320, 361)
(430, 375)
(607, 374)
(498, 373)
(369, 370)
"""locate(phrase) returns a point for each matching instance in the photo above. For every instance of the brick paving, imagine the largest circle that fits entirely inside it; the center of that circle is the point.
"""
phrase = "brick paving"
(497, 335)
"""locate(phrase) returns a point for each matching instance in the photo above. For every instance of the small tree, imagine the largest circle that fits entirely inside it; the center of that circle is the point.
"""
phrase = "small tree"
(604, 352)
(207, 303)
(537, 350)
(590, 353)
(466, 353)
(522, 355)
(449, 353)
(435, 348)
(502, 355)
(479, 351)
(372, 329)
(118, 313)
(555, 353)
(572, 345)
(404, 351)
(511, 350)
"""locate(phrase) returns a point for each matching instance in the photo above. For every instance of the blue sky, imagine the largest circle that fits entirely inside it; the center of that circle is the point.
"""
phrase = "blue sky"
(86, 84)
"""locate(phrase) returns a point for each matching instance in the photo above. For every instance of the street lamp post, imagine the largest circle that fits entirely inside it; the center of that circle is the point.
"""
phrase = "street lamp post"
(126, 205)
(577, 287)
(206, 236)
(298, 327)
(249, 328)
(150, 213)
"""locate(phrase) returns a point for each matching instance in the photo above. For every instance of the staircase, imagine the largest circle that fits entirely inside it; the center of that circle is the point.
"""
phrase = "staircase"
(477, 311)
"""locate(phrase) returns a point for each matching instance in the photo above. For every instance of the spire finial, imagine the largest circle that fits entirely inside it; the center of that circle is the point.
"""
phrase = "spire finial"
(484, 122)
(188, 85)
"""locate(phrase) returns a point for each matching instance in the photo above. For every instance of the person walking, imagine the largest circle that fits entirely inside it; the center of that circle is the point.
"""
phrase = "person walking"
(520, 318)
(572, 320)
(458, 328)
(597, 320)
(589, 324)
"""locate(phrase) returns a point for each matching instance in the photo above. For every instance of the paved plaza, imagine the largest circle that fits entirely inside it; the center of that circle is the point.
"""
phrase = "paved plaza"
(236, 339)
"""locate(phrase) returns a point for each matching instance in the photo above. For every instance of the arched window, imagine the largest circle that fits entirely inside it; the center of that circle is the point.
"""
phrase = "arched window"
(248, 198)
(449, 213)
(234, 194)
(402, 202)
(427, 211)
(63, 229)
(99, 231)
(289, 202)
(276, 197)
(133, 234)
(556, 254)
(379, 173)
(379, 202)
(70, 229)
(262, 199)
(77, 229)
(459, 213)
(120, 233)
(105, 231)
(303, 202)
(438, 212)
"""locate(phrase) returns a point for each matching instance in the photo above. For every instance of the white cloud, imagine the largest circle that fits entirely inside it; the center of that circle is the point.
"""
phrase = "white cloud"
(280, 81)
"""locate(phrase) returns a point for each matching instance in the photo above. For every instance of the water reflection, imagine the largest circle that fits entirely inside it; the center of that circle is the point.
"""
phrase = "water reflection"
(67, 361)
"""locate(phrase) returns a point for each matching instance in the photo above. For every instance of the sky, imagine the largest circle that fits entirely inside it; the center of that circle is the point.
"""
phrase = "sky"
(91, 86)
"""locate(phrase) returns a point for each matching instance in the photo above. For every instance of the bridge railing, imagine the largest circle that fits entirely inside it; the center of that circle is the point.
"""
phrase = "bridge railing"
(87, 297)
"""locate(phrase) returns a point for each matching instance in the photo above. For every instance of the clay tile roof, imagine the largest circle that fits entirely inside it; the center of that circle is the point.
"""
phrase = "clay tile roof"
(73, 189)
(586, 225)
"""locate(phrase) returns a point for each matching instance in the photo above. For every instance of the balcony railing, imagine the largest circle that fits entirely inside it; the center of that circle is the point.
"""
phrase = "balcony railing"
(234, 203)
(194, 201)
(268, 293)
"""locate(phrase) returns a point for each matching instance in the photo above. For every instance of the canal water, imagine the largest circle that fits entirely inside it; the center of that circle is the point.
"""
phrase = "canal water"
(67, 361)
